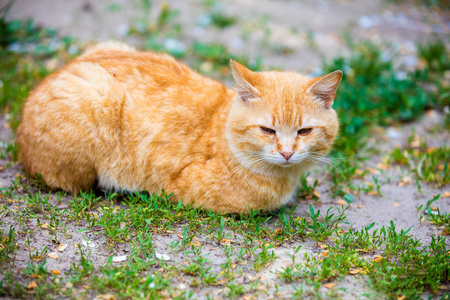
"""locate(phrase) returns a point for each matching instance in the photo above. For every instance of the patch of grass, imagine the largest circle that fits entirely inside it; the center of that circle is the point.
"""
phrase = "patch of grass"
(428, 164)
(405, 267)
(222, 20)
(371, 95)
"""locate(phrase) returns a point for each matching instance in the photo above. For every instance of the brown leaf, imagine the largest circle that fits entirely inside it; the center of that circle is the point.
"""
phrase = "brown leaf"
(105, 297)
(415, 142)
(446, 195)
(222, 281)
(226, 241)
(360, 206)
(56, 272)
(383, 166)
(323, 246)
(373, 193)
(316, 194)
(180, 235)
(378, 258)
(53, 255)
(62, 247)
(445, 232)
(196, 244)
(325, 253)
(341, 202)
(396, 204)
(32, 285)
(355, 271)
(278, 231)
(329, 285)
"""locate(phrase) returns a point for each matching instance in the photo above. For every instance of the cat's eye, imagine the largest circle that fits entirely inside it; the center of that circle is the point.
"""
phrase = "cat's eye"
(267, 130)
(304, 131)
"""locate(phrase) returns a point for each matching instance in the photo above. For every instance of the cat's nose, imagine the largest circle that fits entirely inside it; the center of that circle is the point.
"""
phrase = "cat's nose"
(287, 155)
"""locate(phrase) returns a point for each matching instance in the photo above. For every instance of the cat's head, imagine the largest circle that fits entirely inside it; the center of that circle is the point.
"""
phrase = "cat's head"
(281, 121)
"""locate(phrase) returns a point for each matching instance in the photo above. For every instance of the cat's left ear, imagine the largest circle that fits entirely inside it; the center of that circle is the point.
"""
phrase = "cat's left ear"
(324, 88)
(242, 76)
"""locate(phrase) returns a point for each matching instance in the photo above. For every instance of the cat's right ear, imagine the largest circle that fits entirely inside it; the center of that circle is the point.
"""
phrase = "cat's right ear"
(324, 88)
(245, 90)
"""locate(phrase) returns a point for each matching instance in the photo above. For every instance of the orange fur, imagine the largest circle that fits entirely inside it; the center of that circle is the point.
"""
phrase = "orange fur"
(129, 120)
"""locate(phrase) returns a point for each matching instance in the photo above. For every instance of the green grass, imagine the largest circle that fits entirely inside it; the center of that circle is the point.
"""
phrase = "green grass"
(427, 164)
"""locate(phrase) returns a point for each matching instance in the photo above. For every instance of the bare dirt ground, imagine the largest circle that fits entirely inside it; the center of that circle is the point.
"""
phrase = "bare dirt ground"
(309, 31)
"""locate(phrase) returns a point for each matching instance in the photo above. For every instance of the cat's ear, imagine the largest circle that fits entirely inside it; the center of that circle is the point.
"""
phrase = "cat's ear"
(324, 88)
(242, 76)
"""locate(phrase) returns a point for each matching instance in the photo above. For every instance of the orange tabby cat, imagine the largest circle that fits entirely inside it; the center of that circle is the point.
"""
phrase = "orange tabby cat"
(129, 120)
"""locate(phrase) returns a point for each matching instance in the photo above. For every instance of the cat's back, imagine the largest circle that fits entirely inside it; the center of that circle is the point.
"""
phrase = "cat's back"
(109, 104)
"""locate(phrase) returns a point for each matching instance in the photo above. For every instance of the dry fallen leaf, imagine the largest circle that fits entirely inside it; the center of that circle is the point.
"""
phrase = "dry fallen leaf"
(341, 202)
(415, 142)
(355, 271)
(445, 232)
(329, 285)
(400, 297)
(226, 241)
(278, 231)
(396, 204)
(383, 166)
(316, 194)
(378, 258)
(32, 285)
(180, 235)
(446, 195)
(53, 255)
(222, 281)
(105, 297)
(62, 247)
(360, 206)
(373, 193)
(45, 226)
(325, 253)
(56, 272)
(323, 246)
(196, 244)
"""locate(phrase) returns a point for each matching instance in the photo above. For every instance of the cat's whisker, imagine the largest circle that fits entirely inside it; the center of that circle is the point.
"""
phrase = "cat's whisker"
(317, 159)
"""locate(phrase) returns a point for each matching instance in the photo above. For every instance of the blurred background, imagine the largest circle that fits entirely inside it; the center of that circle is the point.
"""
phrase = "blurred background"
(290, 34)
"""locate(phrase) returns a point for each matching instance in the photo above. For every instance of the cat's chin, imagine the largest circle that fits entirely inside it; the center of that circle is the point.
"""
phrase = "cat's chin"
(286, 164)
